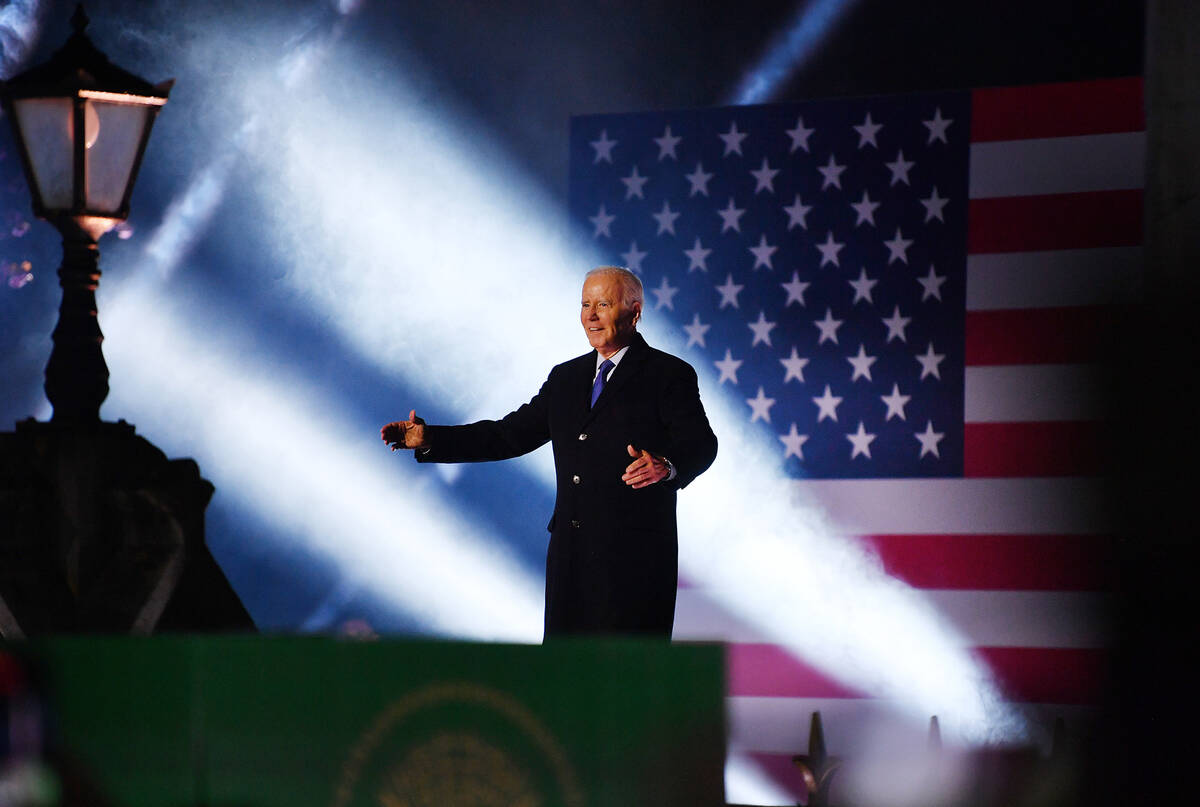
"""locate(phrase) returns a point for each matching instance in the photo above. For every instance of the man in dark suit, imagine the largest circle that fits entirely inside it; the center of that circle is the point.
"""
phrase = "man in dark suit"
(628, 430)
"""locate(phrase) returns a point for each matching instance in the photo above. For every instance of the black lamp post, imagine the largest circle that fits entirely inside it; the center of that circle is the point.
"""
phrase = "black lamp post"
(81, 125)
(99, 531)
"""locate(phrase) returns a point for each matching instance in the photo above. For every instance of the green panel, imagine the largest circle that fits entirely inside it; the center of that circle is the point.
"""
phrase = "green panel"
(127, 708)
(300, 721)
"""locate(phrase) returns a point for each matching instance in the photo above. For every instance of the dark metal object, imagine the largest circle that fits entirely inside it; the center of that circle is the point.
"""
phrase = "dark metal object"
(935, 736)
(76, 375)
(817, 767)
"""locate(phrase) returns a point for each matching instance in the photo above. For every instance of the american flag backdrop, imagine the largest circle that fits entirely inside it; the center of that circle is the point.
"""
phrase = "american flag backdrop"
(913, 296)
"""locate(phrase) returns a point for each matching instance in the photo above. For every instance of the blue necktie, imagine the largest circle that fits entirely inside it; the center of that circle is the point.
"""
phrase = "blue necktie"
(601, 379)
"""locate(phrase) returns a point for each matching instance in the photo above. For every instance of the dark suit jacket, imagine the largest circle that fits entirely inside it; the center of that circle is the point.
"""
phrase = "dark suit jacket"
(612, 562)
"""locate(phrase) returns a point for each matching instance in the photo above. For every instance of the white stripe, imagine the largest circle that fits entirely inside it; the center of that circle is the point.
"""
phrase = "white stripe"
(1025, 618)
(1064, 277)
(1027, 506)
(852, 726)
(700, 618)
(1030, 393)
(981, 618)
(1058, 165)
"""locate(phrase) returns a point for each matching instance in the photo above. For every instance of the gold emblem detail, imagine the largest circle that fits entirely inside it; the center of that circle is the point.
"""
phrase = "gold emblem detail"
(457, 745)
(457, 770)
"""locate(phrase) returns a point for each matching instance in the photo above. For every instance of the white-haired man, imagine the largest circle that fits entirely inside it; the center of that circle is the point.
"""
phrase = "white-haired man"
(628, 431)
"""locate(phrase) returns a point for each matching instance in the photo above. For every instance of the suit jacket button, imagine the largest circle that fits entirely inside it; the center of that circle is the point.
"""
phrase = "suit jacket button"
(575, 524)
(575, 479)
(583, 436)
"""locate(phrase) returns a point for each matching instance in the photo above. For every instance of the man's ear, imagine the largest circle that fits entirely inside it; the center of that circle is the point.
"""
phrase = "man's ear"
(637, 311)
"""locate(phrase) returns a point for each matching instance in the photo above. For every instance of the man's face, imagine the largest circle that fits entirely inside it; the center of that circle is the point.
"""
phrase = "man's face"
(608, 323)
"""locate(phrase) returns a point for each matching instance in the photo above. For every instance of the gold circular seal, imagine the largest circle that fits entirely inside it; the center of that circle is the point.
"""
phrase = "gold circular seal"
(457, 745)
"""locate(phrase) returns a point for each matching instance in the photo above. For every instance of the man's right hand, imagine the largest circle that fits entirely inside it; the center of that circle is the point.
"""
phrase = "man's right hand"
(405, 433)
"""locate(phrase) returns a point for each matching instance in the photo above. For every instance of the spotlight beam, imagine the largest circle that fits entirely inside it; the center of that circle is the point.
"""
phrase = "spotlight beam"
(19, 29)
(789, 50)
(269, 442)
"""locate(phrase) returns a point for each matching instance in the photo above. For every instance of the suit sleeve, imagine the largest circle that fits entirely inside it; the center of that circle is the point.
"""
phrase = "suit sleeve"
(691, 445)
(517, 433)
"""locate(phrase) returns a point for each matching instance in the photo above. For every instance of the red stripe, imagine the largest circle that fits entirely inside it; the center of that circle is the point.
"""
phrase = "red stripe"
(1075, 335)
(1058, 110)
(1025, 674)
(999, 562)
(1065, 448)
(1055, 221)
(769, 670)
(1049, 675)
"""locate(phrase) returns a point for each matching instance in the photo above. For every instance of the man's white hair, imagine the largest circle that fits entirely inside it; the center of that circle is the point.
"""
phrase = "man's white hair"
(631, 284)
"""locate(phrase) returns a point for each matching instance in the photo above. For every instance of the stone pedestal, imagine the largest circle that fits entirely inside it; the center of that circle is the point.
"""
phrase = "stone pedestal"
(101, 533)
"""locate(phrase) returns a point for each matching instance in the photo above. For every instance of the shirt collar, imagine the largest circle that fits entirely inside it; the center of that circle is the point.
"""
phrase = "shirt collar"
(614, 358)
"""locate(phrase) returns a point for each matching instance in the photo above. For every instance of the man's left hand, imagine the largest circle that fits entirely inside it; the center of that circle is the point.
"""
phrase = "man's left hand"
(646, 469)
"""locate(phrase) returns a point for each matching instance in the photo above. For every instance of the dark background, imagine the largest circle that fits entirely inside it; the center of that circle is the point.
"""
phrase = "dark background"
(519, 70)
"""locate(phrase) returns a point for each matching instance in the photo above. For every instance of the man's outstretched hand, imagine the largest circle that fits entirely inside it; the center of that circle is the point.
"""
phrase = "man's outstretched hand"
(405, 433)
(646, 469)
